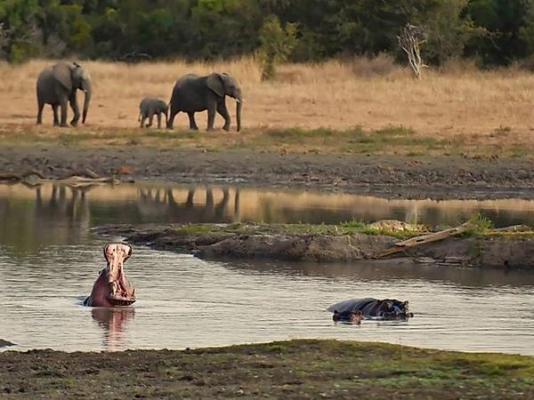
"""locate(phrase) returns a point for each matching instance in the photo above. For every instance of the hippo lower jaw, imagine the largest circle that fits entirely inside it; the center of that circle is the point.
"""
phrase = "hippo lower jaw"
(121, 294)
(121, 301)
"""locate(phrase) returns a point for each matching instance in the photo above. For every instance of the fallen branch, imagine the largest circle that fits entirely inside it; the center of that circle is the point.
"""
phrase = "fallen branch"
(76, 179)
(424, 239)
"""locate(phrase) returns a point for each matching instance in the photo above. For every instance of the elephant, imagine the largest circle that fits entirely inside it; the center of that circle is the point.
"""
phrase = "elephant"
(194, 93)
(149, 107)
(111, 287)
(57, 85)
(387, 309)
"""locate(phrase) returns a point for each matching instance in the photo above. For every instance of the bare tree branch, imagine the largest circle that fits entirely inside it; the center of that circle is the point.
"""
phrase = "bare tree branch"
(410, 40)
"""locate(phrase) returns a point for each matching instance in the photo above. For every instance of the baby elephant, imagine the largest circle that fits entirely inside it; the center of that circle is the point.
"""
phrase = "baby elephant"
(149, 107)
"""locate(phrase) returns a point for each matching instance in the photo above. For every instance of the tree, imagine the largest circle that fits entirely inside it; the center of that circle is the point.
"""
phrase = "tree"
(502, 20)
(448, 31)
(20, 31)
(277, 43)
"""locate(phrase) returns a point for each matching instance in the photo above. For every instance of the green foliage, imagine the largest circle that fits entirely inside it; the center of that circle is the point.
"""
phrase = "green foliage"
(449, 31)
(479, 225)
(18, 21)
(496, 32)
(277, 44)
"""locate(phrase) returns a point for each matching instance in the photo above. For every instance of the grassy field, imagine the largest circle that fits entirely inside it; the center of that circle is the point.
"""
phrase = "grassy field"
(302, 369)
(363, 106)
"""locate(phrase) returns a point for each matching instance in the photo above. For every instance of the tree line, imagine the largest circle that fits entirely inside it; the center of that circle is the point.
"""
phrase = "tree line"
(493, 32)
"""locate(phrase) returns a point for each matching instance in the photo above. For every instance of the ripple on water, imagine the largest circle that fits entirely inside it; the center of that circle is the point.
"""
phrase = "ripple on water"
(187, 302)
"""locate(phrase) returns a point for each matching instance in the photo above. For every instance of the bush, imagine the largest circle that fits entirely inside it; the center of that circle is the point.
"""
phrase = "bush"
(277, 44)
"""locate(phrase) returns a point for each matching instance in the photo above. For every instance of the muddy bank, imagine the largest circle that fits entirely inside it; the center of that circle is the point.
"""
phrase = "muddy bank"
(289, 242)
(388, 176)
(300, 369)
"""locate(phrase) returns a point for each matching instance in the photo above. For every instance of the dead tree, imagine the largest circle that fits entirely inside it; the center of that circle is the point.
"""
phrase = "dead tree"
(410, 40)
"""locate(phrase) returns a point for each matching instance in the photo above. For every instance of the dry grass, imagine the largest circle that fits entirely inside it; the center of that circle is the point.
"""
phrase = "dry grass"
(460, 103)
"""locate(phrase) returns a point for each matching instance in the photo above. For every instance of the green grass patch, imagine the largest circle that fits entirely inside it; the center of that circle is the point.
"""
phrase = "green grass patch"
(347, 228)
(479, 225)
(290, 370)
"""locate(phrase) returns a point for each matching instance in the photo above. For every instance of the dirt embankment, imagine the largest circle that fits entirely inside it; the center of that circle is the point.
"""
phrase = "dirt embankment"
(390, 176)
(276, 242)
(301, 369)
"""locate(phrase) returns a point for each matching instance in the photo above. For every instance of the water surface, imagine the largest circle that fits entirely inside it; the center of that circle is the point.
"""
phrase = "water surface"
(49, 261)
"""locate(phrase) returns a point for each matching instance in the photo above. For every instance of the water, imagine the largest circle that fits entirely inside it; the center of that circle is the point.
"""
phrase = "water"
(49, 261)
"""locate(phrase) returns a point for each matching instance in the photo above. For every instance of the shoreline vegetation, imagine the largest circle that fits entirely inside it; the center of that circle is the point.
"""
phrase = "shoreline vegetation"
(297, 369)
(475, 243)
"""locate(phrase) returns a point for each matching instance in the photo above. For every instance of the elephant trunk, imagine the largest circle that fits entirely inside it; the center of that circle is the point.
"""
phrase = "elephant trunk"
(238, 106)
(86, 102)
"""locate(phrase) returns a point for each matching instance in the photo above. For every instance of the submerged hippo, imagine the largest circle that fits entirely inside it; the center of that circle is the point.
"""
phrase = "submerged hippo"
(111, 287)
(369, 308)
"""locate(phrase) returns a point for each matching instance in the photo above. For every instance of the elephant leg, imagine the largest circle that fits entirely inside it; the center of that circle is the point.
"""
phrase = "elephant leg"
(159, 120)
(56, 117)
(192, 122)
(75, 109)
(40, 106)
(150, 120)
(223, 111)
(142, 121)
(211, 116)
(170, 121)
(63, 106)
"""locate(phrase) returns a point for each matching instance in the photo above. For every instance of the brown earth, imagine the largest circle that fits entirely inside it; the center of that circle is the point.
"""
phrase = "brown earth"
(301, 369)
(253, 241)
(388, 176)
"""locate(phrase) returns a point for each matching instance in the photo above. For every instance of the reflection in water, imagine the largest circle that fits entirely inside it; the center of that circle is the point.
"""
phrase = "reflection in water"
(391, 270)
(113, 321)
(51, 214)
(48, 260)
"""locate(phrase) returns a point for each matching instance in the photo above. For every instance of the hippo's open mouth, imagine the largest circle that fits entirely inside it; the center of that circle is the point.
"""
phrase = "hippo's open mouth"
(120, 291)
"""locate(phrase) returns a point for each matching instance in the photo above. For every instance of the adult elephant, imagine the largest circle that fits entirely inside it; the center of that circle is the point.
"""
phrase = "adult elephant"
(57, 85)
(193, 93)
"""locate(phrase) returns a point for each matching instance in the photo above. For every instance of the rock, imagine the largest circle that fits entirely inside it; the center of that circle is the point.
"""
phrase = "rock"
(393, 225)
(5, 343)
(424, 260)
(125, 170)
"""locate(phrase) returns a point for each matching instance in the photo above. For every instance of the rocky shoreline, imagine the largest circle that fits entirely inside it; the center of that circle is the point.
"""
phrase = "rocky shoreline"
(326, 244)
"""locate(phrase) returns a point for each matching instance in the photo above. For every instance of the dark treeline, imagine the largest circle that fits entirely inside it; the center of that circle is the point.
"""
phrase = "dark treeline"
(494, 32)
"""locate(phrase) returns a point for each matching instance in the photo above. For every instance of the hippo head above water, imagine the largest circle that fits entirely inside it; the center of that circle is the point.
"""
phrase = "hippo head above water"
(111, 287)
(387, 309)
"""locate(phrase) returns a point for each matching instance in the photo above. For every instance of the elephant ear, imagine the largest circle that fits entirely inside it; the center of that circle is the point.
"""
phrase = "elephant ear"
(215, 83)
(63, 74)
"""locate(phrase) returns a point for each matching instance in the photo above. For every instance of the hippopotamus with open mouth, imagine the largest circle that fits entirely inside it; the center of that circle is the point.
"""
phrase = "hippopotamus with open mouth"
(111, 287)
(369, 308)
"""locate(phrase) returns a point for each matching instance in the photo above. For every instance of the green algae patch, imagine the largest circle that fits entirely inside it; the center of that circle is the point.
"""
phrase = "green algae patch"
(298, 369)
